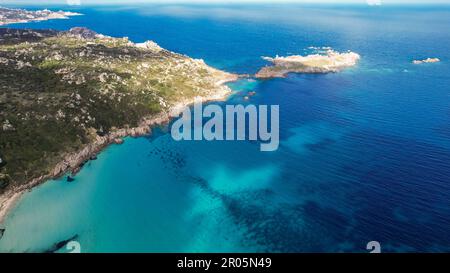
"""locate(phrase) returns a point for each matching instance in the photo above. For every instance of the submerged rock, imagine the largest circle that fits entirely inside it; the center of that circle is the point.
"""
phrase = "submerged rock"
(82, 164)
(2, 231)
(60, 244)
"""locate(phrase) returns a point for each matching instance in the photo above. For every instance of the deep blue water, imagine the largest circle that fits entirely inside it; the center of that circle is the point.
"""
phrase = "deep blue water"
(364, 154)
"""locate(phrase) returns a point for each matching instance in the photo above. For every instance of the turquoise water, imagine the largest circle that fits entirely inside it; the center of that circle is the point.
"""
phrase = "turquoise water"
(364, 154)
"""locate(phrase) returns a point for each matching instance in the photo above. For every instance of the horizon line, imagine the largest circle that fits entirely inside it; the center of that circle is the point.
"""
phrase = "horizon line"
(220, 2)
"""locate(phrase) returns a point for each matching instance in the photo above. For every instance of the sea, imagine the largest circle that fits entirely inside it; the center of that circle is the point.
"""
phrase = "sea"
(364, 154)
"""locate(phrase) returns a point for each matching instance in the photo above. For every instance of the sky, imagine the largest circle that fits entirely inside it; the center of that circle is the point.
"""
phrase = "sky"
(18, 2)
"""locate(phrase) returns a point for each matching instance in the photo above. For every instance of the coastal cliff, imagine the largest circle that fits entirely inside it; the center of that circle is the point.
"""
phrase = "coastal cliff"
(65, 96)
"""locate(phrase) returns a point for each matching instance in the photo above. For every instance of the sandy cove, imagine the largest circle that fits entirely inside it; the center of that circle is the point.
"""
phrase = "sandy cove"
(72, 161)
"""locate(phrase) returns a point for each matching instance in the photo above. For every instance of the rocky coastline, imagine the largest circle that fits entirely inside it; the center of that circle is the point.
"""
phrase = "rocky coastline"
(83, 107)
(73, 162)
(15, 16)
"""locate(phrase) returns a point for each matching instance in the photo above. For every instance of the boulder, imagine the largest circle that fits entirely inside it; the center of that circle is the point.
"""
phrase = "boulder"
(2, 161)
(118, 141)
(83, 32)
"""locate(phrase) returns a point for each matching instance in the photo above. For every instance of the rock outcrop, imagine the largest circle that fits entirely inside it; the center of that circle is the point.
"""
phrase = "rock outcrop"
(330, 62)
(427, 60)
(82, 32)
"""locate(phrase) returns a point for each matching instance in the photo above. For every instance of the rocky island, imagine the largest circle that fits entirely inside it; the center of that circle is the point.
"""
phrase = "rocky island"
(427, 60)
(329, 62)
(13, 16)
(65, 95)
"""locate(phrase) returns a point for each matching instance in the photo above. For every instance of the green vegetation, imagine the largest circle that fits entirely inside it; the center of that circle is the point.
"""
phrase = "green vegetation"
(58, 88)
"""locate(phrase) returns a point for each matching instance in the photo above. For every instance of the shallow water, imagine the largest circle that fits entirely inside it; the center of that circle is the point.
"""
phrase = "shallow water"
(364, 154)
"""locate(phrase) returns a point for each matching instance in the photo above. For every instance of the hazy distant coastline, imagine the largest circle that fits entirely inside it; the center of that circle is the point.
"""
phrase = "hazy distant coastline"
(14, 16)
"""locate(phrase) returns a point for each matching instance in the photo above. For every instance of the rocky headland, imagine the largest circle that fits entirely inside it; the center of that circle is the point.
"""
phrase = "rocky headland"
(14, 16)
(66, 95)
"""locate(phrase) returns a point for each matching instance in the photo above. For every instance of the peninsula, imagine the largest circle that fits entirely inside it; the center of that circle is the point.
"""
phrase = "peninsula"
(65, 95)
(13, 16)
(329, 62)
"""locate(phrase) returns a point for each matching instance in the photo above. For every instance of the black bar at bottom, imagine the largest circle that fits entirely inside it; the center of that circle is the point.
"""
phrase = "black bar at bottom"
(219, 262)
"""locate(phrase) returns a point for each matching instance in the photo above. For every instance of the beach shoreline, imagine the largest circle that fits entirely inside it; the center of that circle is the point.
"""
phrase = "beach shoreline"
(72, 161)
